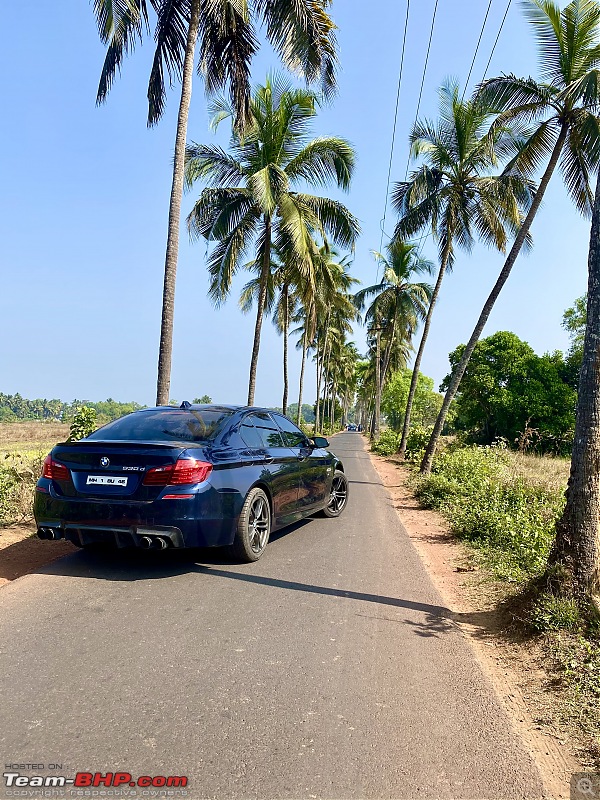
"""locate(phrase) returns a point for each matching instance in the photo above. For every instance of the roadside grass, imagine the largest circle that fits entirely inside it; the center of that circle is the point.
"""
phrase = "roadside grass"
(504, 506)
(23, 447)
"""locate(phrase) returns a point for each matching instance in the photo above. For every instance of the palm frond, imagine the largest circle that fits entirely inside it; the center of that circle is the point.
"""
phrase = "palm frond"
(303, 35)
(210, 162)
(228, 43)
(121, 24)
(339, 225)
(322, 160)
(227, 255)
(171, 38)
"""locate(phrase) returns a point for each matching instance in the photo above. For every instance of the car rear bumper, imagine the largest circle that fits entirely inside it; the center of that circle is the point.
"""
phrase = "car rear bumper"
(203, 521)
(146, 537)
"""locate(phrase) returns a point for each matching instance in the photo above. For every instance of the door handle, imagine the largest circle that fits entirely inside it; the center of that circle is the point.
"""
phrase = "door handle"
(268, 459)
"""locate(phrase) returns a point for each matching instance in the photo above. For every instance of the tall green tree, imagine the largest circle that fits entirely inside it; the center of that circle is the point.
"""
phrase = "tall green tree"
(329, 290)
(282, 301)
(508, 390)
(254, 202)
(574, 563)
(398, 303)
(301, 32)
(393, 402)
(454, 193)
(563, 109)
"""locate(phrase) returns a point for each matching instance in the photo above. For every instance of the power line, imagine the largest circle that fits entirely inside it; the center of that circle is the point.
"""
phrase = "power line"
(387, 190)
(423, 79)
(497, 38)
(421, 241)
(487, 13)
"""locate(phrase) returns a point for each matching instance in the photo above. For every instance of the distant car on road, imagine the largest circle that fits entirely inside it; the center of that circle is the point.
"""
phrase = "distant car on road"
(193, 476)
(351, 427)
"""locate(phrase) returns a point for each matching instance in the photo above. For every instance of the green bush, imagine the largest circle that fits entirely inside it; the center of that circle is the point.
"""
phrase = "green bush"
(84, 422)
(416, 441)
(387, 444)
(509, 518)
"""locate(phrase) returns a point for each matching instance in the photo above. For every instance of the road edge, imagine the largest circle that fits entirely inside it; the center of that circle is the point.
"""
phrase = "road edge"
(443, 557)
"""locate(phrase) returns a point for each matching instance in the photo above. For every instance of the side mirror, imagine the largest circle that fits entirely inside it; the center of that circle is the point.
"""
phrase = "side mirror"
(319, 442)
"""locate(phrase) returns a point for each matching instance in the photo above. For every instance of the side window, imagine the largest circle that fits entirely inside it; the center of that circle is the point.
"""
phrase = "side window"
(292, 436)
(267, 430)
(250, 434)
(259, 431)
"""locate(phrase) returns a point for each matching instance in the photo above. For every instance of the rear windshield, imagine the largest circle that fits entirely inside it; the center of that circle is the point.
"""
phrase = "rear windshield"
(160, 425)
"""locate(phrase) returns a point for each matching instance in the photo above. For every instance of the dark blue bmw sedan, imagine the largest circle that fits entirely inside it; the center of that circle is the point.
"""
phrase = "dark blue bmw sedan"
(193, 476)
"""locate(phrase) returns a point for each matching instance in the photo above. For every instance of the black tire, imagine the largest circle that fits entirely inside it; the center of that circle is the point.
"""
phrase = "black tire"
(254, 527)
(338, 497)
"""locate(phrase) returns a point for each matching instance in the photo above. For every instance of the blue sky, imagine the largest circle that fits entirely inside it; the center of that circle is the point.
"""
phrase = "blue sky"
(85, 195)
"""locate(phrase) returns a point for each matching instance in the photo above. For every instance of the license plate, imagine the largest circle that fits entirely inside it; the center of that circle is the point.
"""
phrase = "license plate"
(105, 480)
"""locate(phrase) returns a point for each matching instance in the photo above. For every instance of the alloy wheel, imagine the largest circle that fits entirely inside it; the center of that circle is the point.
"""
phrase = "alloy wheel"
(259, 524)
(339, 494)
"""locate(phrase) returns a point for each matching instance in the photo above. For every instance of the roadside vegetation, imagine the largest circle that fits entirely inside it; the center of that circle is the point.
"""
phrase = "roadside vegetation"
(23, 447)
(505, 504)
(499, 480)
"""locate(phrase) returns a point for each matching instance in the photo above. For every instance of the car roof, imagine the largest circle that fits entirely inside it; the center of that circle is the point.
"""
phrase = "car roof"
(213, 407)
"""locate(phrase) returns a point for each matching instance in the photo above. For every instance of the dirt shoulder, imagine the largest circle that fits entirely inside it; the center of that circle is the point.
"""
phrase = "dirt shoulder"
(21, 552)
(513, 665)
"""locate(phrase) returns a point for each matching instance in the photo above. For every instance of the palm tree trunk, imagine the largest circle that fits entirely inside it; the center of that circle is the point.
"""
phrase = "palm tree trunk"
(459, 370)
(165, 351)
(576, 549)
(319, 359)
(304, 348)
(325, 378)
(388, 352)
(422, 343)
(285, 350)
(333, 396)
(262, 300)
(377, 420)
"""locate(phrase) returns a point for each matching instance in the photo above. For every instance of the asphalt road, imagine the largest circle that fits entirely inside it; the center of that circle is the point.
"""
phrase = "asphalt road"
(329, 669)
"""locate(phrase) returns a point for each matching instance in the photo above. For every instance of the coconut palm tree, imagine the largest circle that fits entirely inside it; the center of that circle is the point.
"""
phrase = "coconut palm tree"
(398, 302)
(334, 312)
(574, 562)
(282, 300)
(301, 32)
(563, 107)
(254, 201)
(454, 194)
(331, 280)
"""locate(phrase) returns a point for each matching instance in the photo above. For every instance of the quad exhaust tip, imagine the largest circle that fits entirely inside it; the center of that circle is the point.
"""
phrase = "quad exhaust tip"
(154, 542)
(48, 533)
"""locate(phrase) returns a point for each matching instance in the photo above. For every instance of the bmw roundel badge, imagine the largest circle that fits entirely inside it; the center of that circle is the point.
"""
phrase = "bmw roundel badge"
(104, 461)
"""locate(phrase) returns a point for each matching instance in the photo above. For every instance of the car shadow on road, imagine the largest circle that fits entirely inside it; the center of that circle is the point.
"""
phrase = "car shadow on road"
(438, 618)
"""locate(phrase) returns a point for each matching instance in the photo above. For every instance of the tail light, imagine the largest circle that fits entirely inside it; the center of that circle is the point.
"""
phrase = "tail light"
(55, 471)
(185, 471)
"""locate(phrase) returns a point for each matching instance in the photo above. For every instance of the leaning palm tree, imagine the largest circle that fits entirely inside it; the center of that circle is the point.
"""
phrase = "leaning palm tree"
(454, 194)
(398, 302)
(254, 201)
(564, 108)
(301, 32)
